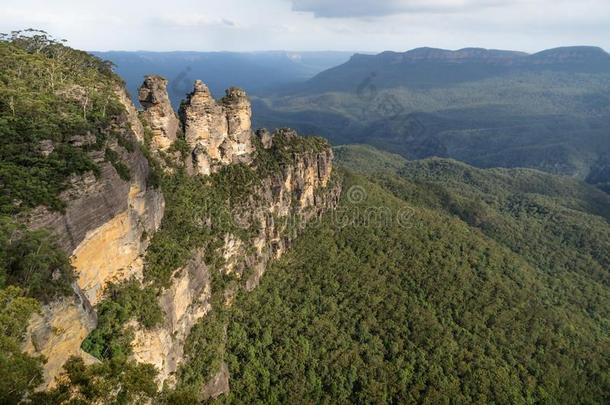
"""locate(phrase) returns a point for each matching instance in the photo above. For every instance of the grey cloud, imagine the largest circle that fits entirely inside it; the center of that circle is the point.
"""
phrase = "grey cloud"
(379, 8)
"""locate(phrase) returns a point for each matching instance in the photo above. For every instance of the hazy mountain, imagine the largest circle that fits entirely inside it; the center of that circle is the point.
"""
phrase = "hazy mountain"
(251, 70)
(430, 67)
(549, 110)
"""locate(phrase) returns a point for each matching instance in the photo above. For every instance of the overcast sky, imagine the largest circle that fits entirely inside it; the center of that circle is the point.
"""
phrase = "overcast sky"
(351, 25)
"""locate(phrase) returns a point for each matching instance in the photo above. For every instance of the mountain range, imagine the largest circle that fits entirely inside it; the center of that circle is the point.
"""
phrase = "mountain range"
(549, 110)
(431, 67)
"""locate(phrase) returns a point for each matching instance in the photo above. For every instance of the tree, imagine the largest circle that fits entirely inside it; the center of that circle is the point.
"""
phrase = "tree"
(20, 373)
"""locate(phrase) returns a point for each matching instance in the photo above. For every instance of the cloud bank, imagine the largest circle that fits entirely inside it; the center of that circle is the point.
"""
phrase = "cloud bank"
(302, 25)
(379, 8)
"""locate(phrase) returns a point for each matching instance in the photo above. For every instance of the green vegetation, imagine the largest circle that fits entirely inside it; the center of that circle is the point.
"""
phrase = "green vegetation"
(19, 372)
(125, 301)
(197, 215)
(557, 223)
(205, 350)
(425, 311)
(536, 115)
(444, 283)
(201, 210)
(32, 261)
(121, 168)
(33, 270)
(57, 110)
(109, 382)
(364, 157)
(50, 96)
(286, 145)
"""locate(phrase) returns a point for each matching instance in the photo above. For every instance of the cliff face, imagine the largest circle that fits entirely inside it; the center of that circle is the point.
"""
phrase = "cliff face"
(108, 223)
(104, 229)
(217, 134)
(277, 207)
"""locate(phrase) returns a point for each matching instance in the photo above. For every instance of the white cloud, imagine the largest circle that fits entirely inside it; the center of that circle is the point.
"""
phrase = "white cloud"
(353, 25)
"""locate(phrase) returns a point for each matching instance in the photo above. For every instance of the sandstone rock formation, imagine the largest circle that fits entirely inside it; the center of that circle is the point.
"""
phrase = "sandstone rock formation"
(283, 202)
(218, 384)
(217, 133)
(58, 332)
(265, 137)
(183, 304)
(108, 223)
(158, 112)
(103, 229)
(132, 113)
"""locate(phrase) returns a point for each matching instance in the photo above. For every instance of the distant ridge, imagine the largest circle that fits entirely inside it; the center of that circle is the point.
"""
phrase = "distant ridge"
(554, 55)
(436, 54)
(250, 70)
(547, 110)
(571, 54)
(432, 67)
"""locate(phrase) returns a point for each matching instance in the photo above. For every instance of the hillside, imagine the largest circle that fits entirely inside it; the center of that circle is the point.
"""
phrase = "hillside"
(430, 67)
(548, 110)
(429, 287)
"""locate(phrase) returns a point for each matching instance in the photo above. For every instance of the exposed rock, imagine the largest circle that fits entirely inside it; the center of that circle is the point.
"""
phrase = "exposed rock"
(265, 137)
(278, 208)
(113, 251)
(103, 223)
(158, 112)
(80, 141)
(217, 133)
(108, 222)
(218, 385)
(286, 201)
(201, 161)
(57, 334)
(239, 116)
(183, 304)
(46, 147)
(132, 113)
(103, 229)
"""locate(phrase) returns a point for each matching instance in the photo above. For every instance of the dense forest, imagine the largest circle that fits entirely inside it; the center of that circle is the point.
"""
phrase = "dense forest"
(445, 298)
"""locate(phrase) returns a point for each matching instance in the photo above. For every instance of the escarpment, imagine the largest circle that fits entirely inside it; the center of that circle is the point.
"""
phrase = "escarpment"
(252, 194)
(105, 229)
(266, 217)
(272, 185)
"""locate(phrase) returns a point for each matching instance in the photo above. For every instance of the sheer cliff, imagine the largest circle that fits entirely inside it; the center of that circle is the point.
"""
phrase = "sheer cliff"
(176, 214)
(254, 192)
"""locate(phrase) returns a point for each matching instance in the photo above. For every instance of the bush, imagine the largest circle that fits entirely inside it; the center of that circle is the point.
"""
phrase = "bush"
(20, 373)
(123, 302)
(33, 261)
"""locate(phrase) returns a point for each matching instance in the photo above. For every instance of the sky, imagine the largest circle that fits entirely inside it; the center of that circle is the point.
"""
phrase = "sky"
(309, 25)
